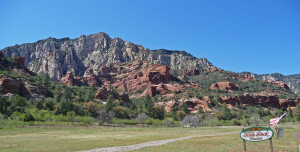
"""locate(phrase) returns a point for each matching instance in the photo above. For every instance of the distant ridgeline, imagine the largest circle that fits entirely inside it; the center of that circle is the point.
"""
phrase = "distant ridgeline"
(57, 56)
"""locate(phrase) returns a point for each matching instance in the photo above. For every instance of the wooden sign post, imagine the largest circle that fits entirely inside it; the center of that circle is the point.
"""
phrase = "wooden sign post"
(256, 134)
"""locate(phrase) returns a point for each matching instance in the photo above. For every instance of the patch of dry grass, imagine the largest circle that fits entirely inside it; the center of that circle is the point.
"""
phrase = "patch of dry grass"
(231, 143)
(72, 139)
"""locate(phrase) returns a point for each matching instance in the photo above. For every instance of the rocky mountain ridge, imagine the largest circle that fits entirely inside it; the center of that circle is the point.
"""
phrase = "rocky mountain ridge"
(57, 56)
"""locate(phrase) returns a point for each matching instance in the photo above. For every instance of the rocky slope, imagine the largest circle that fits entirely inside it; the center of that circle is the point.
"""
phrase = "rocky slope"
(57, 56)
(139, 78)
(292, 81)
(15, 79)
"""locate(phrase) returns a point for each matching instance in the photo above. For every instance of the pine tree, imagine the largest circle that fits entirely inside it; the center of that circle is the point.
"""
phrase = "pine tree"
(109, 103)
(150, 111)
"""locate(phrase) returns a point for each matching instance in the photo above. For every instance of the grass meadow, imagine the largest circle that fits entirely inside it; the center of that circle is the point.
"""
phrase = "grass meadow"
(57, 139)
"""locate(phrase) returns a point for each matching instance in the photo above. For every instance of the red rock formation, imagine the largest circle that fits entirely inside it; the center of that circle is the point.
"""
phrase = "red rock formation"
(226, 86)
(137, 79)
(285, 103)
(266, 101)
(192, 103)
(19, 60)
(79, 81)
(34, 91)
(282, 84)
(68, 79)
(158, 74)
(102, 94)
(193, 85)
(91, 79)
(153, 90)
(10, 85)
(247, 77)
(104, 71)
(190, 72)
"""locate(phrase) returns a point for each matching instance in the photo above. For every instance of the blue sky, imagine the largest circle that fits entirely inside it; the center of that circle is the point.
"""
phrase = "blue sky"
(239, 35)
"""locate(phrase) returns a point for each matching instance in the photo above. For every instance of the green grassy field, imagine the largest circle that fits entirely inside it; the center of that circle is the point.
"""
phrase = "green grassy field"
(72, 139)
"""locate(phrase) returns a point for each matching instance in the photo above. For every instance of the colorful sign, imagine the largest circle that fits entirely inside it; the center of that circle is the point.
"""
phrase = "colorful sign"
(257, 134)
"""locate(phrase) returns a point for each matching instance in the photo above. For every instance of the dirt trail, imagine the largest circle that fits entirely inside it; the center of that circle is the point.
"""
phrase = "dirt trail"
(150, 143)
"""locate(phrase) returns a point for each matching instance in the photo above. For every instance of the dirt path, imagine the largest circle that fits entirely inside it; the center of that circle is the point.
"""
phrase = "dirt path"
(297, 136)
(150, 143)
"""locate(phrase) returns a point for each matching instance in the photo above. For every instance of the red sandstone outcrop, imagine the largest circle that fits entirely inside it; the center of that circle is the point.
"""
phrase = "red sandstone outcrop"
(247, 77)
(90, 79)
(292, 102)
(102, 94)
(19, 60)
(142, 77)
(280, 83)
(190, 72)
(192, 103)
(68, 79)
(10, 85)
(226, 86)
(245, 100)
(34, 91)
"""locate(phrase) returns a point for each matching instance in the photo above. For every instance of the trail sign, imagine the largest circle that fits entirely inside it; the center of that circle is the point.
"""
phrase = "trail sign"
(256, 134)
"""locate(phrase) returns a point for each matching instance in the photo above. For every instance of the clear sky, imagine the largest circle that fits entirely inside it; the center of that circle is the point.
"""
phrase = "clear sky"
(260, 36)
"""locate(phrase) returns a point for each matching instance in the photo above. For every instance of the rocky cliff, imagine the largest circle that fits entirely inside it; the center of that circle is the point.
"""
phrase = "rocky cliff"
(57, 56)
(292, 81)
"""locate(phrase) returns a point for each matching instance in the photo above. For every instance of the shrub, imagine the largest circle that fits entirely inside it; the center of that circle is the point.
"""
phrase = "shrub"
(142, 117)
(190, 121)
(121, 112)
(105, 117)
(169, 122)
(71, 115)
(28, 116)
(255, 119)
(180, 115)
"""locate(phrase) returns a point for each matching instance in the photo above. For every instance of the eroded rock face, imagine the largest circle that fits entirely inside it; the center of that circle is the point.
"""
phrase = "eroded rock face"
(102, 94)
(282, 84)
(57, 56)
(193, 104)
(141, 75)
(90, 80)
(34, 91)
(10, 85)
(265, 101)
(68, 79)
(19, 60)
(226, 86)
(285, 103)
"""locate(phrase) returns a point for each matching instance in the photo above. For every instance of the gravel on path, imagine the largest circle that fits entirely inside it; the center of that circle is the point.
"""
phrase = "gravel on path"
(150, 143)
